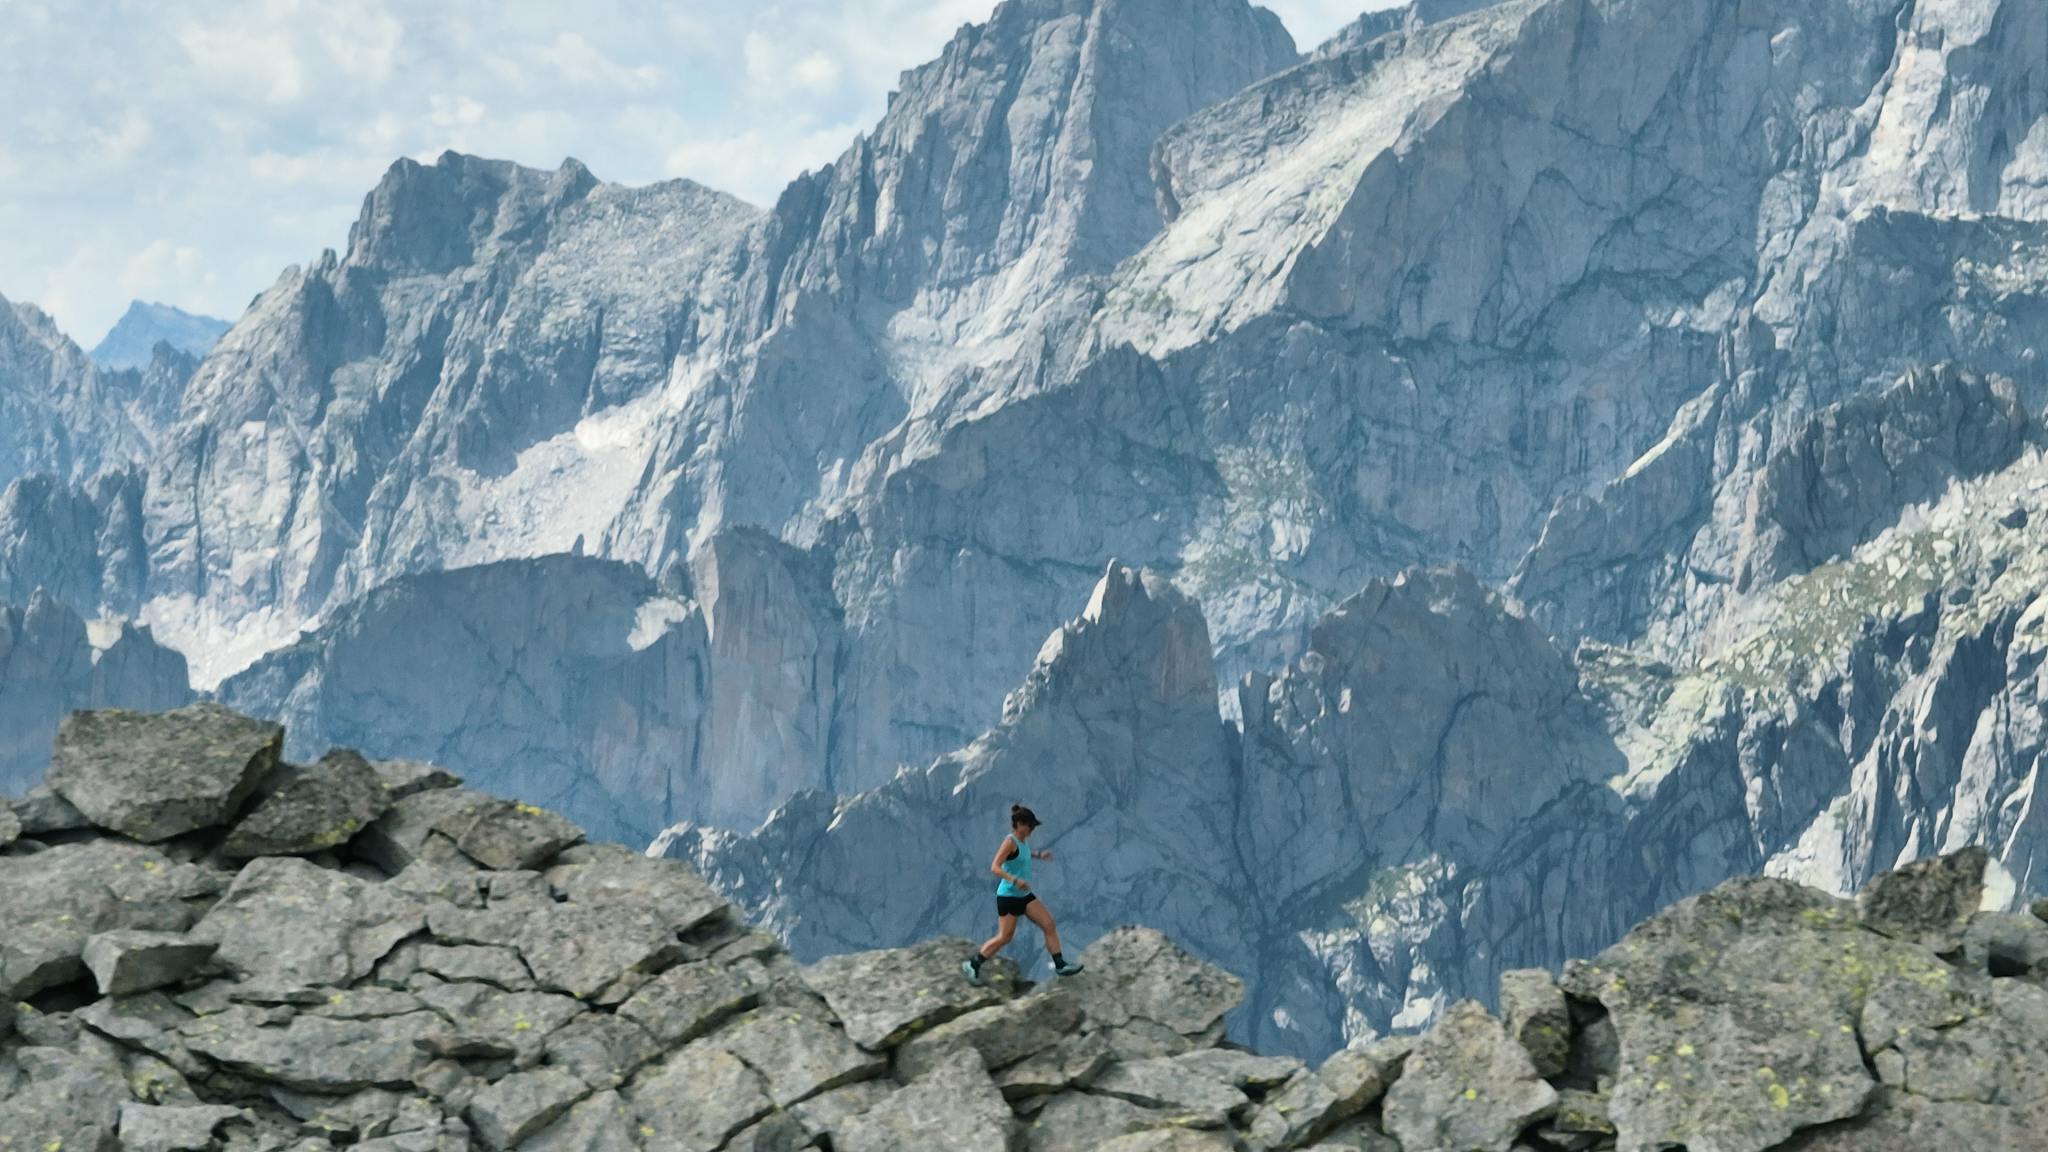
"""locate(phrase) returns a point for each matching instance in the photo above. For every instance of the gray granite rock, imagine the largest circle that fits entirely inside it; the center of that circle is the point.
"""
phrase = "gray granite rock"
(313, 1054)
(53, 902)
(697, 1098)
(1927, 901)
(126, 962)
(1735, 1028)
(1080, 1122)
(288, 925)
(688, 1001)
(1002, 1034)
(508, 1111)
(311, 809)
(888, 996)
(43, 811)
(1067, 1063)
(798, 1056)
(1466, 1086)
(509, 837)
(1310, 1107)
(70, 1099)
(403, 778)
(109, 766)
(601, 1049)
(953, 1107)
(1534, 1010)
(144, 1128)
(406, 832)
(601, 1123)
(1163, 1082)
(1137, 973)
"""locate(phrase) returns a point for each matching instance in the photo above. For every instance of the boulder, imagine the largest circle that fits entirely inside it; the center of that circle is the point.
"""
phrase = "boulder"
(601, 1123)
(1310, 1107)
(686, 1002)
(316, 1054)
(601, 1049)
(144, 1128)
(695, 1100)
(1163, 1082)
(311, 809)
(70, 1099)
(1082, 1121)
(951, 1108)
(1929, 901)
(288, 925)
(1466, 1087)
(1737, 1013)
(1534, 1009)
(509, 837)
(505, 1113)
(126, 962)
(798, 1056)
(43, 812)
(52, 902)
(10, 826)
(1002, 1034)
(403, 778)
(111, 767)
(1169, 1140)
(1071, 1061)
(1138, 974)
(1241, 1069)
(885, 997)
(407, 831)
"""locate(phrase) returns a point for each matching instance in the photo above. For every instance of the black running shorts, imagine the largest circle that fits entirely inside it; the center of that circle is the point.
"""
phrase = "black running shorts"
(1014, 905)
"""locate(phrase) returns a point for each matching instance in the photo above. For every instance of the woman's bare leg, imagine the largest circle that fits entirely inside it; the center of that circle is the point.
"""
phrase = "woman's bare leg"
(1042, 916)
(1001, 940)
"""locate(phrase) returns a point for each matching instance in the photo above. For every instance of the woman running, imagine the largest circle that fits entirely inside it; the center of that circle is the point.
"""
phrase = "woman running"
(1014, 897)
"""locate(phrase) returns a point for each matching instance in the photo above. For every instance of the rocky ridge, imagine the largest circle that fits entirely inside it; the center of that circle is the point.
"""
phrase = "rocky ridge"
(207, 948)
(146, 330)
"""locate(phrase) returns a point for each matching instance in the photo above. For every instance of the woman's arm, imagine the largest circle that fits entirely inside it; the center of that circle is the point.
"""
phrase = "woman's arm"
(1003, 855)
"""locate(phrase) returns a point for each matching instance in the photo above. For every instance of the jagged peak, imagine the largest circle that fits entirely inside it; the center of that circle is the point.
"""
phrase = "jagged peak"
(433, 218)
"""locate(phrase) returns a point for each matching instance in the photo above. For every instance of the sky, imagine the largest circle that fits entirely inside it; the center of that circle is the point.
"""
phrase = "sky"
(187, 151)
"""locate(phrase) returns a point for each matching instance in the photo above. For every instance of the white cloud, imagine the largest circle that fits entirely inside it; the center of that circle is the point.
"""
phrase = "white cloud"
(190, 149)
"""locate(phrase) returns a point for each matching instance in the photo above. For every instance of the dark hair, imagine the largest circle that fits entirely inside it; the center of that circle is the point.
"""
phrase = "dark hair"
(1019, 814)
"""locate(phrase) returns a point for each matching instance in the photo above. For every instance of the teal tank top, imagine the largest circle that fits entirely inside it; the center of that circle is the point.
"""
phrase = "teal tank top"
(1018, 866)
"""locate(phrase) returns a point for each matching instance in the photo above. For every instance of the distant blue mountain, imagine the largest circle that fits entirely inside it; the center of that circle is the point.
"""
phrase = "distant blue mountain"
(129, 344)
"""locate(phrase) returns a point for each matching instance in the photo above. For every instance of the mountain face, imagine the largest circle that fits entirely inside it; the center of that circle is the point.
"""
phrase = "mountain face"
(133, 340)
(59, 415)
(52, 663)
(570, 679)
(210, 947)
(1559, 455)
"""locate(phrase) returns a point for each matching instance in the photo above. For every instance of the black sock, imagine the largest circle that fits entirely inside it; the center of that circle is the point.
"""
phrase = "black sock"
(1058, 960)
(978, 958)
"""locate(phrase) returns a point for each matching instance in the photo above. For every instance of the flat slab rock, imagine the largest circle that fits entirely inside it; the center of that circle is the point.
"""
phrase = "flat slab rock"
(885, 997)
(126, 962)
(111, 767)
(952, 1108)
(311, 809)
